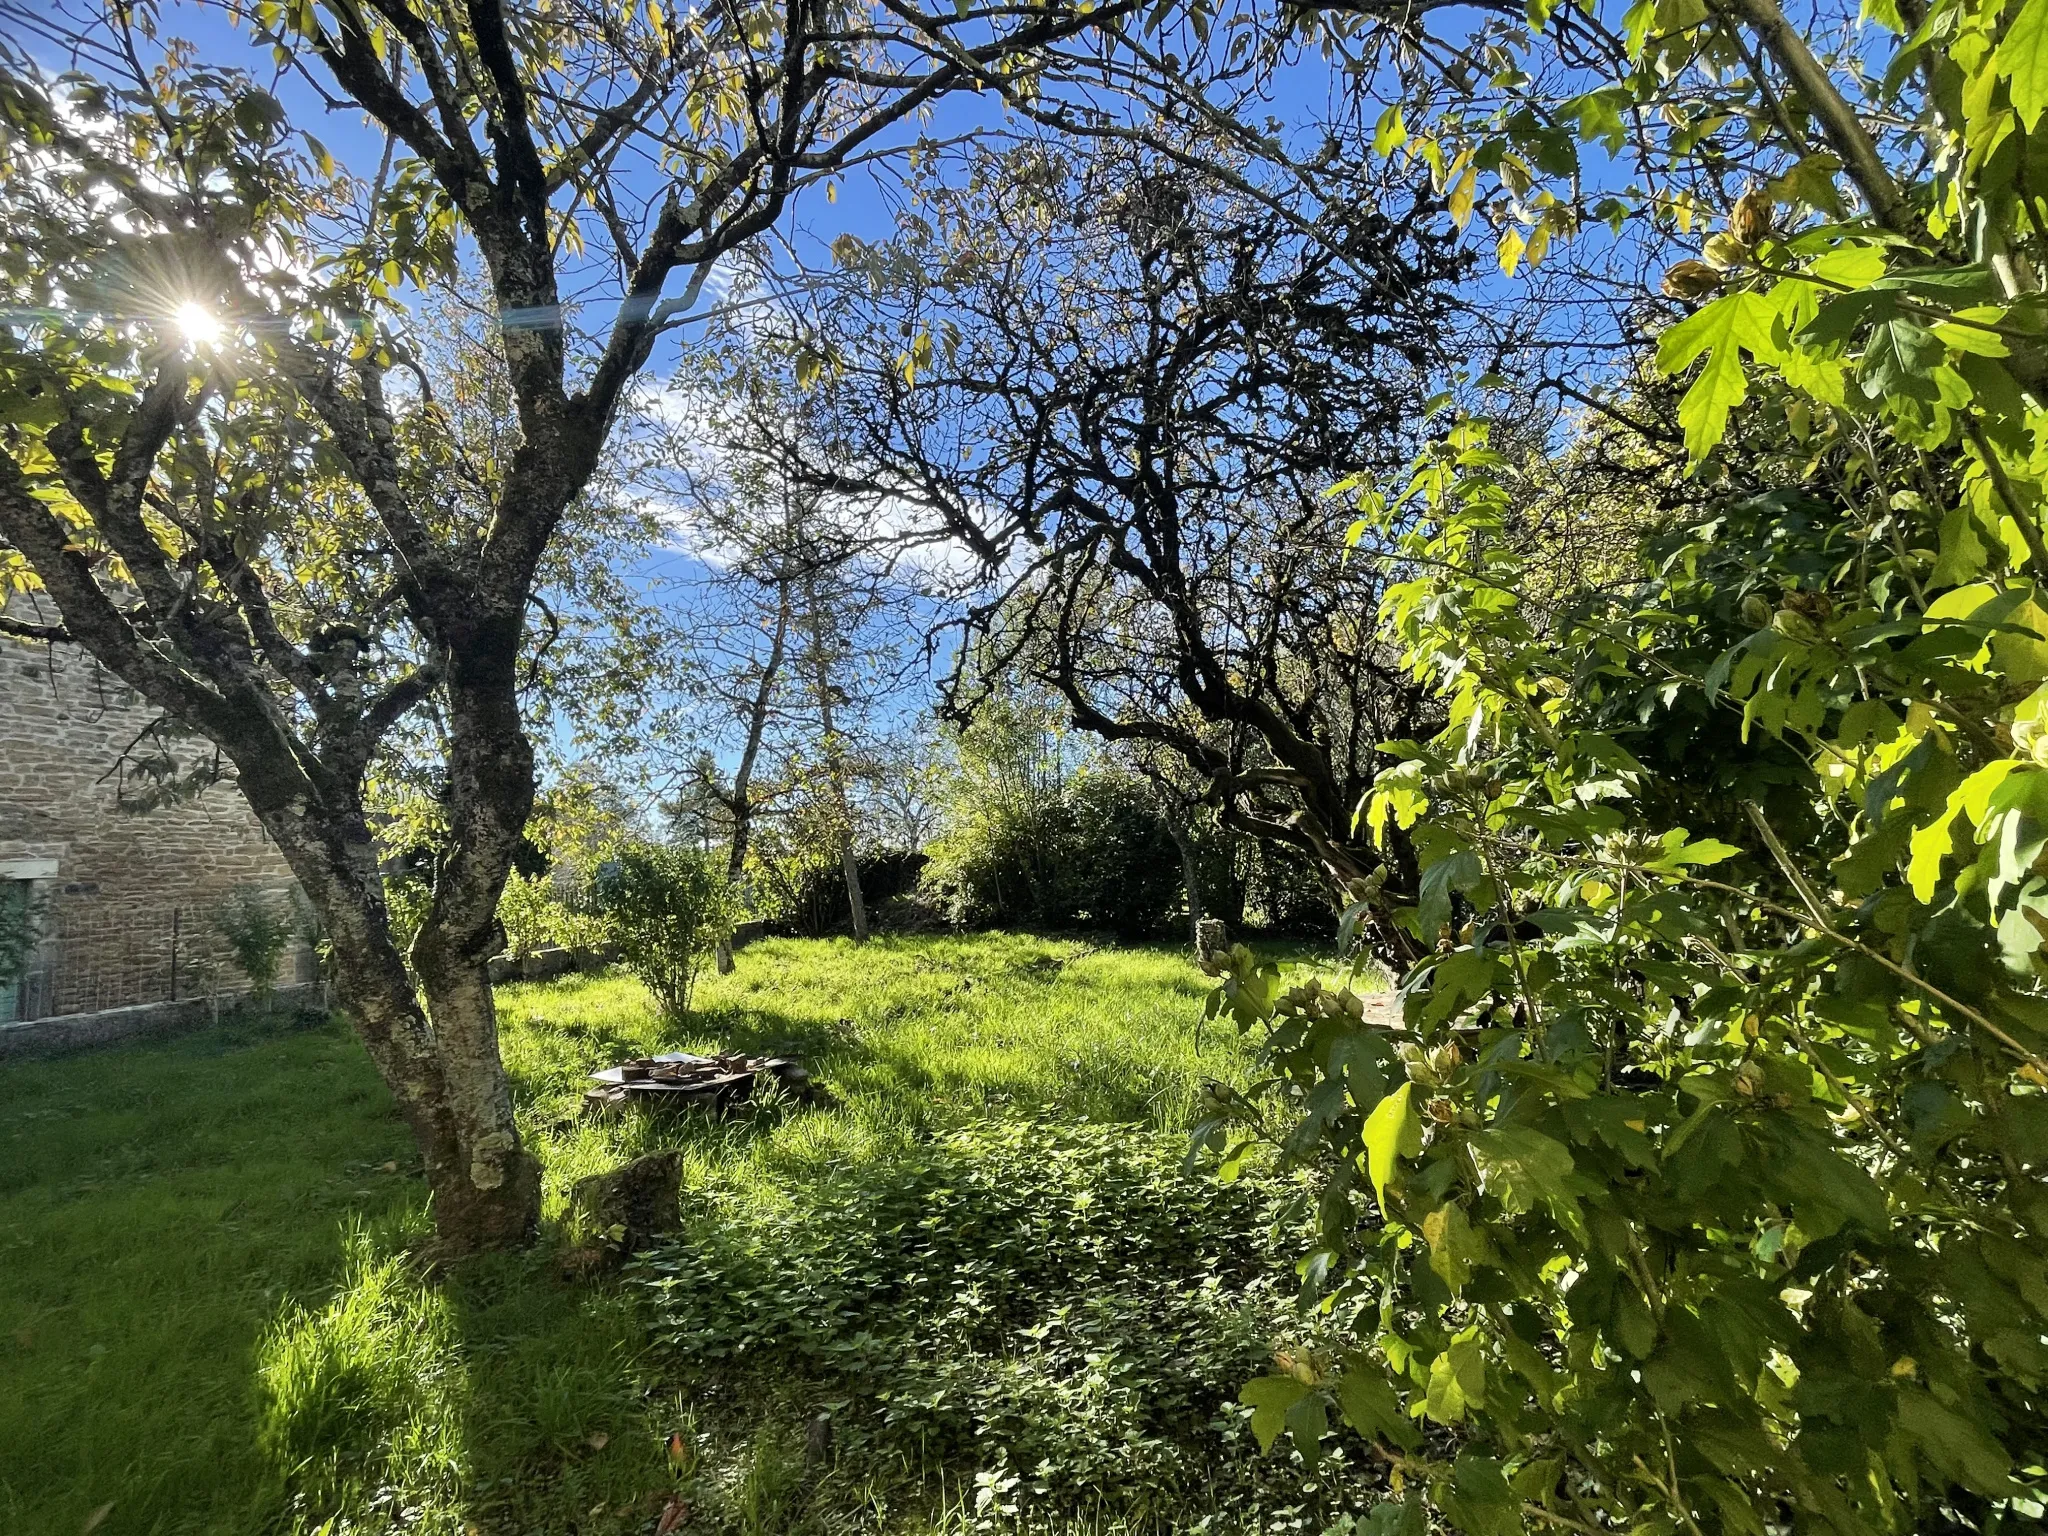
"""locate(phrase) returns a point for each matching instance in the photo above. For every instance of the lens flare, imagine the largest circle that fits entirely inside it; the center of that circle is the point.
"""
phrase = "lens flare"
(200, 325)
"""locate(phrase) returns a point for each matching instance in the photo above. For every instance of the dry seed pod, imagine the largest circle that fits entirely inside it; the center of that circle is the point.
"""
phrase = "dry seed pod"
(1690, 279)
(1751, 219)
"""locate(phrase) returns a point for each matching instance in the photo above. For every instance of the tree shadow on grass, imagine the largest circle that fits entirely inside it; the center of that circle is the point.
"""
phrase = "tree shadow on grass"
(491, 1396)
(823, 1045)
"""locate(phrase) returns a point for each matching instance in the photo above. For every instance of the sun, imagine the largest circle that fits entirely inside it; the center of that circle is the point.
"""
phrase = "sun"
(200, 324)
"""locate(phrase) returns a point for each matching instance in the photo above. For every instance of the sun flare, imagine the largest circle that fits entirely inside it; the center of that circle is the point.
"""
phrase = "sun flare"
(200, 325)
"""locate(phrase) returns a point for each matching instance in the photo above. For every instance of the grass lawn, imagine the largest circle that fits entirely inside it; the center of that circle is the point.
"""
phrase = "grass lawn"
(208, 1324)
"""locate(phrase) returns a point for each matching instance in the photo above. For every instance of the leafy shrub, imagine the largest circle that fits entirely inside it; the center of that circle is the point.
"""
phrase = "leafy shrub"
(1702, 1188)
(258, 927)
(1092, 851)
(19, 914)
(535, 913)
(1709, 1165)
(666, 907)
(1058, 1308)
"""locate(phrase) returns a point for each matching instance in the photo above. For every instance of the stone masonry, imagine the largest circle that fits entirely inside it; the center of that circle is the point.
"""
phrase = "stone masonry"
(126, 895)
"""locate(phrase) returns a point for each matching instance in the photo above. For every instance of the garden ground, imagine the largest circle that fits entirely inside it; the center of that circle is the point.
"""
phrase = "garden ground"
(975, 1288)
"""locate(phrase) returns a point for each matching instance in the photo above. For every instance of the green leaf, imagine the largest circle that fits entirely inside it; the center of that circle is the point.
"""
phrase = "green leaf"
(1521, 1168)
(1457, 1381)
(1732, 324)
(1392, 1129)
(1454, 1248)
(1636, 24)
(1680, 854)
(1396, 1517)
(1371, 1406)
(1479, 1500)
(1811, 181)
(1271, 1399)
(1899, 360)
(1963, 556)
(1454, 872)
(1459, 980)
(2023, 60)
(1634, 1324)
(1838, 318)
(1822, 1188)
(1308, 1421)
(1954, 1444)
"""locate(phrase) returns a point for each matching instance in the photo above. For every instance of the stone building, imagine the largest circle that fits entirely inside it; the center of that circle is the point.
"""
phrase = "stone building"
(124, 866)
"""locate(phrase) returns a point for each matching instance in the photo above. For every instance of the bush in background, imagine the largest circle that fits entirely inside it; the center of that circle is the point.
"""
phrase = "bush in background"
(538, 911)
(258, 927)
(666, 908)
(1282, 891)
(808, 899)
(1091, 851)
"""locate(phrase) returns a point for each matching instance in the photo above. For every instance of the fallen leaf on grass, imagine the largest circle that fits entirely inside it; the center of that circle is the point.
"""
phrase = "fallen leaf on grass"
(673, 1514)
(94, 1520)
(598, 1441)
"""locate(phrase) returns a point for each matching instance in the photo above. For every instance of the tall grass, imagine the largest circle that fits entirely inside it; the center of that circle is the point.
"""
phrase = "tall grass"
(907, 1034)
(208, 1322)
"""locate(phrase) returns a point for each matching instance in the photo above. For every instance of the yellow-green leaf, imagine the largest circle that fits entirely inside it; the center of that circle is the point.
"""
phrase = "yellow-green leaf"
(1391, 133)
(1512, 245)
(1457, 1382)
(1392, 1129)
(1454, 1247)
(2023, 60)
(1462, 195)
(1726, 328)
(1931, 843)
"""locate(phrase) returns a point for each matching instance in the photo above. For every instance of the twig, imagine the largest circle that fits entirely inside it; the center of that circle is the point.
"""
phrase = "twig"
(1828, 930)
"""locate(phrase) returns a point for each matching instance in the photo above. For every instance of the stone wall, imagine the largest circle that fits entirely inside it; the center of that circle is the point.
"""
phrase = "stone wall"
(152, 1021)
(127, 890)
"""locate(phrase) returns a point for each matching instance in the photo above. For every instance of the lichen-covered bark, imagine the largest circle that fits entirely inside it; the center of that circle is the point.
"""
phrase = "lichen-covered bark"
(436, 1047)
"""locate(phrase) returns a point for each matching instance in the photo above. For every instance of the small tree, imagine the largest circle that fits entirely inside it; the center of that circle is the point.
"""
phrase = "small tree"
(258, 930)
(18, 916)
(667, 907)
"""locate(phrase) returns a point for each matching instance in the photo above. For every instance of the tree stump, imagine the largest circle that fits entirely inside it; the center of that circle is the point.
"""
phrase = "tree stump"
(627, 1209)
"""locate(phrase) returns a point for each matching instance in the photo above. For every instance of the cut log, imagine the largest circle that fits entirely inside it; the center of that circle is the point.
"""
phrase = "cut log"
(627, 1209)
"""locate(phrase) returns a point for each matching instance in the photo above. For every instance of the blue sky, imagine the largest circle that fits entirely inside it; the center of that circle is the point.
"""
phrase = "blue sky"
(862, 206)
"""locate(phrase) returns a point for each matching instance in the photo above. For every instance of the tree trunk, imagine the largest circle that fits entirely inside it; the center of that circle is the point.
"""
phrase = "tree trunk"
(485, 1184)
(441, 1063)
(1189, 873)
(835, 761)
(493, 1194)
(856, 903)
(741, 805)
